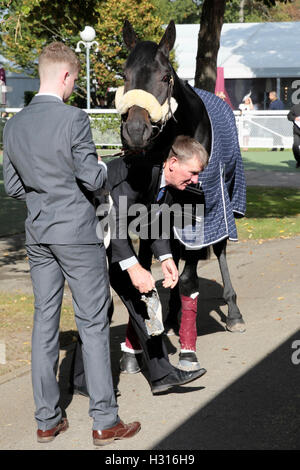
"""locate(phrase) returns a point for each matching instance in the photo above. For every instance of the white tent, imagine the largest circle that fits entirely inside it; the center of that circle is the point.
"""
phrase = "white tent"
(247, 50)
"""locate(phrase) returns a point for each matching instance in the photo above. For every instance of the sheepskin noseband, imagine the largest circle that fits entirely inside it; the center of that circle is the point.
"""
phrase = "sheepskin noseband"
(146, 101)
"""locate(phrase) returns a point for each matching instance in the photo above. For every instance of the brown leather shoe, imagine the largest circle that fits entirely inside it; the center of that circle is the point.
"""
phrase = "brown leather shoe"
(120, 431)
(50, 434)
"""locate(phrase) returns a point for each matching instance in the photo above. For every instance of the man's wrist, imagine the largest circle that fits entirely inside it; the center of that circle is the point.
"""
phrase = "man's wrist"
(165, 257)
(128, 263)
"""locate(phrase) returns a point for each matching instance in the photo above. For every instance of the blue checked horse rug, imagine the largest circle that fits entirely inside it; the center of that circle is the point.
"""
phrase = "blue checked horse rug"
(223, 180)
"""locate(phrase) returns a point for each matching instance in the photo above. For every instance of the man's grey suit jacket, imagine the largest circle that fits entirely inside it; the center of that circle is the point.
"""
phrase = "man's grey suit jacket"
(50, 161)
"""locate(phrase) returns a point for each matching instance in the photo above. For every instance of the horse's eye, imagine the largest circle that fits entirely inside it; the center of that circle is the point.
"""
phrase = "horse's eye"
(166, 78)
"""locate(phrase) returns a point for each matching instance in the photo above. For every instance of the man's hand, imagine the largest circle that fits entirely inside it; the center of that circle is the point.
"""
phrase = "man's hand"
(141, 278)
(170, 273)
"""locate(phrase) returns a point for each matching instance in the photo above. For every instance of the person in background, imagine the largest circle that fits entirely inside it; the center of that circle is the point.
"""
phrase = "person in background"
(244, 107)
(275, 105)
(294, 116)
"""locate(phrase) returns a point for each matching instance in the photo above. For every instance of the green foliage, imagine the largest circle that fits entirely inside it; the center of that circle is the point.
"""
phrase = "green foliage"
(107, 122)
(28, 25)
(181, 11)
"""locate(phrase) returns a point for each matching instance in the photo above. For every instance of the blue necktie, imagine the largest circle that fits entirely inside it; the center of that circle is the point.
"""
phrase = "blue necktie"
(161, 193)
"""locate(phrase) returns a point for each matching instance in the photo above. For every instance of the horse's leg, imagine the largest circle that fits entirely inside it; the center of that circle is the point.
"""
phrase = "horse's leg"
(189, 291)
(234, 321)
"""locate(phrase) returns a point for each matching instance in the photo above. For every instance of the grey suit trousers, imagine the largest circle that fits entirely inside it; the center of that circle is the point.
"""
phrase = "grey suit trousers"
(84, 268)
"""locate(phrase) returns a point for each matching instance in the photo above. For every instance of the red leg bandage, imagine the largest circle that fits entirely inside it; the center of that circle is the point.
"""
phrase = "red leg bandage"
(188, 327)
(131, 341)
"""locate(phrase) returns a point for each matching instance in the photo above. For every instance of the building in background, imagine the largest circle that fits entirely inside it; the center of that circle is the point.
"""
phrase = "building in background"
(15, 86)
(256, 57)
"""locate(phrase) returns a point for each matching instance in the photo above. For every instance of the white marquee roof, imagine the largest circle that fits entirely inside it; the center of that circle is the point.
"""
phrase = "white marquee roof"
(247, 50)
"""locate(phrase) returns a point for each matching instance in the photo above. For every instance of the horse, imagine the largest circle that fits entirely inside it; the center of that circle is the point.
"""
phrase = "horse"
(155, 107)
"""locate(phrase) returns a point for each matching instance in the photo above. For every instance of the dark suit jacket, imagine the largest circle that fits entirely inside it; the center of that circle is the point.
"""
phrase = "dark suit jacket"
(276, 105)
(131, 181)
(50, 161)
(294, 112)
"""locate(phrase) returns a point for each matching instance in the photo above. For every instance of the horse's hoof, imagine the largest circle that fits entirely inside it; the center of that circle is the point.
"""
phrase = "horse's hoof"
(235, 325)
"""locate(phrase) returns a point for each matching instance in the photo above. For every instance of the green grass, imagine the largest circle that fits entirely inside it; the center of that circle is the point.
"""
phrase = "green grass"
(271, 213)
(262, 160)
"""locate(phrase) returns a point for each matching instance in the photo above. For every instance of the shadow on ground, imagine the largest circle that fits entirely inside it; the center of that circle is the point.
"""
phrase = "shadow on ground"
(14, 251)
(258, 411)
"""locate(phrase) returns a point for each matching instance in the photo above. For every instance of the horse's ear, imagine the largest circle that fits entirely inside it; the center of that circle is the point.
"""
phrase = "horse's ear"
(129, 35)
(168, 40)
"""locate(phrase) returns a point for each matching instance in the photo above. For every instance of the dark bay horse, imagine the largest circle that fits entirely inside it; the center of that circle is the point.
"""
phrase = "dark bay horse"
(156, 106)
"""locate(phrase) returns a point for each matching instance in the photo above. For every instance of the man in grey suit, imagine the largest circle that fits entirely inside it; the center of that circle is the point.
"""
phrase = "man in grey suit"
(50, 161)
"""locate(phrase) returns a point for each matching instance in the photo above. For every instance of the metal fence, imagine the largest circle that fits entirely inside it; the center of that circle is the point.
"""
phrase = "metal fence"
(264, 129)
(256, 129)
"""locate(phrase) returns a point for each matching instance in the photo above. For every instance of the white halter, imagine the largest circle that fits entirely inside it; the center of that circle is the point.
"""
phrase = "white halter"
(145, 100)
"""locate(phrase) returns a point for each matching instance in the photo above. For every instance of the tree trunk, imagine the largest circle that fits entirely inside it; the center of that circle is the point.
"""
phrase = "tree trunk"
(241, 12)
(209, 43)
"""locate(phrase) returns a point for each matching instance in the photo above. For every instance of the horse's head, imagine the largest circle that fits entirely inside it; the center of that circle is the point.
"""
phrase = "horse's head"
(145, 101)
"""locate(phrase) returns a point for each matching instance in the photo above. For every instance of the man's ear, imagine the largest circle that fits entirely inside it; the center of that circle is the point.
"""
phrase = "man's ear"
(172, 161)
(65, 75)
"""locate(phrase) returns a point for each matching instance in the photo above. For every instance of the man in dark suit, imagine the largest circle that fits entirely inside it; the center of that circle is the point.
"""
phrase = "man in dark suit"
(134, 180)
(50, 161)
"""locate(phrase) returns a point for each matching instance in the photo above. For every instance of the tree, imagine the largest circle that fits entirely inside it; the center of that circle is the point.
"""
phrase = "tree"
(28, 25)
(110, 19)
(212, 17)
(182, 11)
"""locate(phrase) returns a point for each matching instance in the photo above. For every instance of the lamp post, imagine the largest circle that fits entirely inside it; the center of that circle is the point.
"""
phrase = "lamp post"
(87, 35)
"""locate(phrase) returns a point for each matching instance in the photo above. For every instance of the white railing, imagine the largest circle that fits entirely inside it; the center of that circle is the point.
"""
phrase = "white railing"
(264, 129)
(256, 129)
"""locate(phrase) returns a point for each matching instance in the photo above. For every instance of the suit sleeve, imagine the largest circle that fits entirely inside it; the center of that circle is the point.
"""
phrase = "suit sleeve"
(12, 182)
(125, 195)
(87, 170)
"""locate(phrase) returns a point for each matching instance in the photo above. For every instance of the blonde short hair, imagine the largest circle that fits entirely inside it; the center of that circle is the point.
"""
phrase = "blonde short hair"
(58, 53)
(185, 147)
